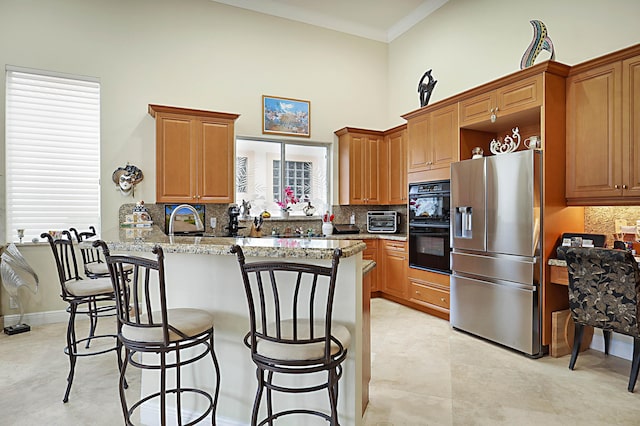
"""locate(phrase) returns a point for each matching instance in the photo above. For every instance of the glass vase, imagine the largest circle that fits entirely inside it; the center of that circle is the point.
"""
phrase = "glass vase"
(309, 210)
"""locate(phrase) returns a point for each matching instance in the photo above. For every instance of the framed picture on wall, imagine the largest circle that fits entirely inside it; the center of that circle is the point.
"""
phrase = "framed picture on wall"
(286, 116)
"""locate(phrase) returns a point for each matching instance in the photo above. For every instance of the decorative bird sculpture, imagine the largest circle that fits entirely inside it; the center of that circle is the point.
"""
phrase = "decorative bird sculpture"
(425, 89)
(541, 41)
(15, 273)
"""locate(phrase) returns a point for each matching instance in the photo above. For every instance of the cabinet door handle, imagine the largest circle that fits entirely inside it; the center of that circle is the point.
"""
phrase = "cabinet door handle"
(624, 186)
(616, 186)
(442, 299)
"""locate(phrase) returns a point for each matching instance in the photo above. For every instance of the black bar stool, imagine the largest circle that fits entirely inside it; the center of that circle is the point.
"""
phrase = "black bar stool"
(146, 326)
(292, 333)
(83, 297)
(94, 268)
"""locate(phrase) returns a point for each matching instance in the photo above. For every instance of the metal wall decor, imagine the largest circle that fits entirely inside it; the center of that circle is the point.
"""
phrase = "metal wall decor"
(126, 178)
(425, 89)
(541, 41)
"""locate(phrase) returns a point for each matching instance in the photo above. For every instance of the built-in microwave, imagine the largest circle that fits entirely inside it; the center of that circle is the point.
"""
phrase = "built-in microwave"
(382, 222)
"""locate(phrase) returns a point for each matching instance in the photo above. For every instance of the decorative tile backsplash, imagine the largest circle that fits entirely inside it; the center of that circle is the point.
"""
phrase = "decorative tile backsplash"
(602, 220)
(342, 214)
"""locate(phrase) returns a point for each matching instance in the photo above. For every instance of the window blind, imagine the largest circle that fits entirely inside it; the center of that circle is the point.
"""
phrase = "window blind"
(52, 145)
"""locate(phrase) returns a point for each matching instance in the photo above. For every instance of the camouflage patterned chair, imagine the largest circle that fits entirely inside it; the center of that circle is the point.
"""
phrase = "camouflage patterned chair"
(603, 293)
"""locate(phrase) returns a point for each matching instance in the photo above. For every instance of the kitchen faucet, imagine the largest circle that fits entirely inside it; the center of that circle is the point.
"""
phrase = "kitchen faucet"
(172, 218)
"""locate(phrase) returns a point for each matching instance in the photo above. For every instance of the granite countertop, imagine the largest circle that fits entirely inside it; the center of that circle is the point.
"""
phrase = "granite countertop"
(368, 266)
(144, 239)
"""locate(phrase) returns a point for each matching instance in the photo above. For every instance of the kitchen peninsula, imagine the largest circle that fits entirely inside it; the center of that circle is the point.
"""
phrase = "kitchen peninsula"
(201, 273)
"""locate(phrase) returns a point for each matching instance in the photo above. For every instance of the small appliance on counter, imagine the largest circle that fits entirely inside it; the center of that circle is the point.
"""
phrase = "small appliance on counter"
(233, 227)
(345, 228)
(382, 222)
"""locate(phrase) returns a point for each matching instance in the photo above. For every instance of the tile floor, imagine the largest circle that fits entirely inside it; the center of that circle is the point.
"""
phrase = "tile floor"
(424, 373)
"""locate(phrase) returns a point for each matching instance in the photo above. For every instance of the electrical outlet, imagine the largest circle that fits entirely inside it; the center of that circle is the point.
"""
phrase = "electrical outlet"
(213, 221)
(13, 303)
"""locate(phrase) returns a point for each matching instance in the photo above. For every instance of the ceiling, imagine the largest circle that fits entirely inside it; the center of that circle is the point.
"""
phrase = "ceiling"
(381, 20)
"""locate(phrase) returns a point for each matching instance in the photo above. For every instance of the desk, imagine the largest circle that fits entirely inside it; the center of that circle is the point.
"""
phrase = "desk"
(559, 274)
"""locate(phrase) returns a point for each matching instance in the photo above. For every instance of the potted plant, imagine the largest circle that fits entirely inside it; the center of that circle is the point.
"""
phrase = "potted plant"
(289, 200)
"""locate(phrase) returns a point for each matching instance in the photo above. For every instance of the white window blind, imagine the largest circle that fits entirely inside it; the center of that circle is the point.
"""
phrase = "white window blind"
(52, 148)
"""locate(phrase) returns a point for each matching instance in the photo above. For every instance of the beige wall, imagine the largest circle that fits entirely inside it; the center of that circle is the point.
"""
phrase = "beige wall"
(201, 54)
(197, 54)
(190, 53)
(470, 42)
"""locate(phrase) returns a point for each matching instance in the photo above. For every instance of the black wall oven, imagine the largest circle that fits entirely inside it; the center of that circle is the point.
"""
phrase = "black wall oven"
(429, 223)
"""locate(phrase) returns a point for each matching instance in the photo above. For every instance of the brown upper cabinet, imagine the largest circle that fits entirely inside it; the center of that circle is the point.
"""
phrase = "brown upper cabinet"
(432, 143)
(362, 162)
(603, 130)
(372, 166)
(195, 155)
(514, 97)
(396, 141)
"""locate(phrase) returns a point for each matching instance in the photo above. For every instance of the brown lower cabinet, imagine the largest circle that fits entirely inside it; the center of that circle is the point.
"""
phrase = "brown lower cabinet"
(394, 268)
(430, 291)
(371, 253)
(394, 280)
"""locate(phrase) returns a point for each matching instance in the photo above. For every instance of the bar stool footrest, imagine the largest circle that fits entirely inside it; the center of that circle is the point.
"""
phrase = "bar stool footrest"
(154, 395)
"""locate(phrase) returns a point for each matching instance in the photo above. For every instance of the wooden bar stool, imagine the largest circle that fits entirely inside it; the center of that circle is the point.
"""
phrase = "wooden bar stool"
(292, 333)
(146, 326)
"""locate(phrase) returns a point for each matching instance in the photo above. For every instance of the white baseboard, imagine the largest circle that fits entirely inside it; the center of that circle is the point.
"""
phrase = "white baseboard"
(40, 318)
(621, 345)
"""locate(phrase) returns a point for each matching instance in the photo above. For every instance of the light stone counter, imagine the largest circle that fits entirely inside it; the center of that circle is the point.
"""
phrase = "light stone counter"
(144, 239)
(201, 273)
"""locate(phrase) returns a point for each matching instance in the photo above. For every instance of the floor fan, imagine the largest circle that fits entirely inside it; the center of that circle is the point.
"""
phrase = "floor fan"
(15, 273)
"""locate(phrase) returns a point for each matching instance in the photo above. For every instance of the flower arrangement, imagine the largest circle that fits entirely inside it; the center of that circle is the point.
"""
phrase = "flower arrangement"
(289, 199)
(327, 218)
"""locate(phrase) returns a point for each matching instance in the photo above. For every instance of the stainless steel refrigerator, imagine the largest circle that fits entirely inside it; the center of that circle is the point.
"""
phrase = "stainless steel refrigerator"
(495, 258)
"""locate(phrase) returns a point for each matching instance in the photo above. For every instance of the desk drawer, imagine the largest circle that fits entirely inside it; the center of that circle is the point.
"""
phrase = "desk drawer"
(559, 275)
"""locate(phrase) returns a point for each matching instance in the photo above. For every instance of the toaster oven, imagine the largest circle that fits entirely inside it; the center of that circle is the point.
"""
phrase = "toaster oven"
(382, 222)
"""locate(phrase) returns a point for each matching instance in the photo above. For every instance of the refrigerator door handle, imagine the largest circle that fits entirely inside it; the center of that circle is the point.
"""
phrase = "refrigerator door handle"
(497, 283)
